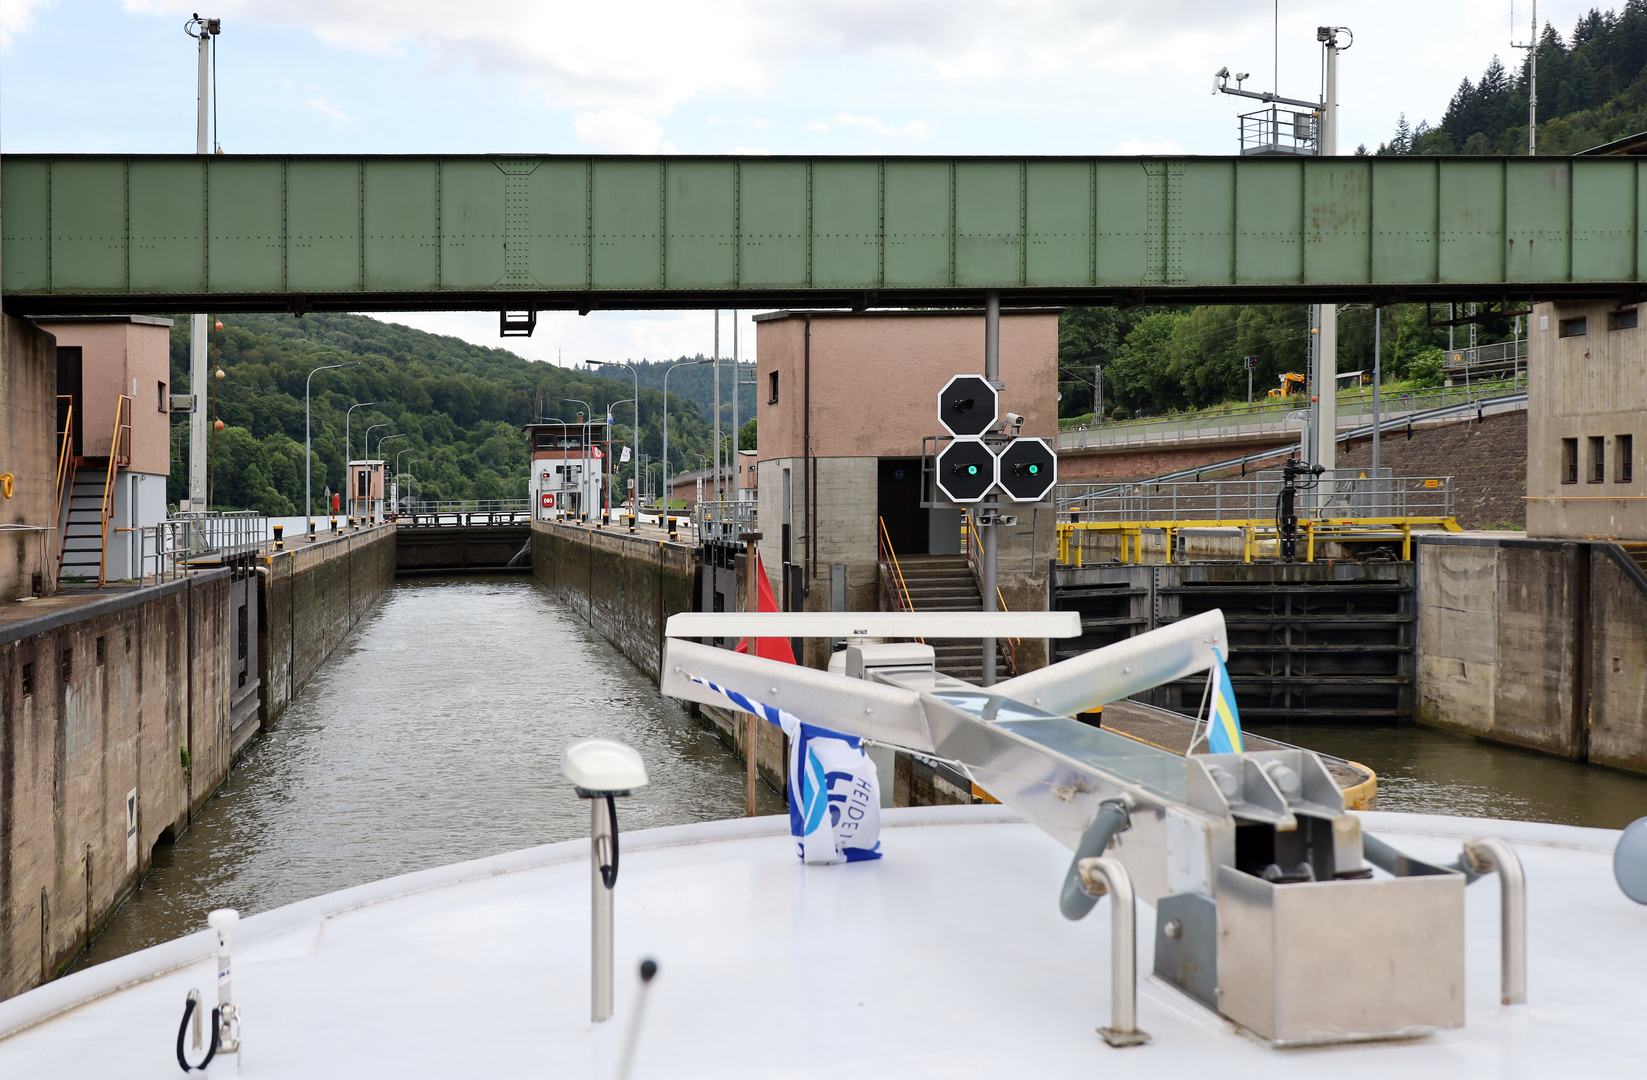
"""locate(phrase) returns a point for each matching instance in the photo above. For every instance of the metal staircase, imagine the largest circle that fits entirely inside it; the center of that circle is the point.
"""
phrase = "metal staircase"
(85, 500)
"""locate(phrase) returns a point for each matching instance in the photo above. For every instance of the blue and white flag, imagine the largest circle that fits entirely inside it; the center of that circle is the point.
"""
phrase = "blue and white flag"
(1223, 718)
(834, 793)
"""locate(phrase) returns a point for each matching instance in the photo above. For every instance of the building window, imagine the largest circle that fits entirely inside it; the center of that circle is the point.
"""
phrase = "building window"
(1574, 327)
(1624, 449)
(160, 398)
(1569, 461)
(772, 388)
(1598, 459)
(1628, 319)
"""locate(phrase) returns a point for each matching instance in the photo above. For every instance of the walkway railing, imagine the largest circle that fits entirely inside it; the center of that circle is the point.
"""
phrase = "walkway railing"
(723, 520)
(1344, 493)
(893, 586)
(199, 542)
(1283, 416)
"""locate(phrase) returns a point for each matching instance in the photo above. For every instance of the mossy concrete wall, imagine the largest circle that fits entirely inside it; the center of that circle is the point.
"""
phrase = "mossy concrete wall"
(313, 595)
(625, 586)
(120, 696)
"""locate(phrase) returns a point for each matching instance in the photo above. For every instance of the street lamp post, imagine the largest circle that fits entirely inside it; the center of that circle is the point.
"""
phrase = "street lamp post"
(308, 494)
(666, 371)
(366, 454)
(413, 477)
(408, 450)
(583, 480)
(610, 465)
(348, 446)
(380, 442)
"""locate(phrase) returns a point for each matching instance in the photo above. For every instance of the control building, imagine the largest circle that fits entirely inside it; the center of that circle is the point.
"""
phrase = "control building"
(568, 468)
(843, 402)
(1586, 420)
(115, 402)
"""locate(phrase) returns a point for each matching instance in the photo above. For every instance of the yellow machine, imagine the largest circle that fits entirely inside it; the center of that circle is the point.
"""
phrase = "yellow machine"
(1291, 383)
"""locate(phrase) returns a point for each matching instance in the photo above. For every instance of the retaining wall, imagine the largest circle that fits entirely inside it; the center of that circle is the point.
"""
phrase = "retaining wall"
(1535, 643)
(115, 701)
(313, 595)
(624, 586)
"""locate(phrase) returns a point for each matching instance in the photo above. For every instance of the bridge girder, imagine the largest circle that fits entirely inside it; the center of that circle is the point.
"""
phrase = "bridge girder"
(176, 233)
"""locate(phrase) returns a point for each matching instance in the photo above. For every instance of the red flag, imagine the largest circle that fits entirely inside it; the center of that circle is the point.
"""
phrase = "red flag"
(770, 648)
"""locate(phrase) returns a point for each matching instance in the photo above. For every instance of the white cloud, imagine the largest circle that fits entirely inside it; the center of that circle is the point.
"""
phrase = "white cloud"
(915, 129)
(17, 17)
(1145, 147)
(817, 125)
(326, 108)
(619, 131)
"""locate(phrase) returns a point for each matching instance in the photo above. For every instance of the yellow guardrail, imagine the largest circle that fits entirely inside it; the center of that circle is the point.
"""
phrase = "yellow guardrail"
(1255, 533)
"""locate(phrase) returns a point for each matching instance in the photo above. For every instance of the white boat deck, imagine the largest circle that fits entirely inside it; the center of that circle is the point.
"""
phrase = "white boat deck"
(947, 958)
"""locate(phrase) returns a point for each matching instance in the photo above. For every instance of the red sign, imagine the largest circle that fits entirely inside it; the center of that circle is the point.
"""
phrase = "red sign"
(548, 500)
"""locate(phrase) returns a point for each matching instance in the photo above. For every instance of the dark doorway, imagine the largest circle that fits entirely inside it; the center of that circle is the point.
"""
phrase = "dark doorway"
(68, 385)
(898, 502)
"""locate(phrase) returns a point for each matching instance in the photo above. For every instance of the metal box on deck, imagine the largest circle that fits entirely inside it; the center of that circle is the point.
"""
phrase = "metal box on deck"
(1336, 961)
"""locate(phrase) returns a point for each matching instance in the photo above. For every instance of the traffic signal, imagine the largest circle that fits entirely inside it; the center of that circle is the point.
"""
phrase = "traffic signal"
(966, 471)
(967, 406)
(1029, 469)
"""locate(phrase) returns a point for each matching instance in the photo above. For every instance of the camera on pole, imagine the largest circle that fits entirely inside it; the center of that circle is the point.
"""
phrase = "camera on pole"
(966, 471)
(967, 406)
(1028, 469)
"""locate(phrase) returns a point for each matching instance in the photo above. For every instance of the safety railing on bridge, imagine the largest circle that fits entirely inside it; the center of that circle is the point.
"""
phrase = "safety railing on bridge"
(1285, 416)
(1500, 362)
(1342, 504)
(459, 513)
(721, 521)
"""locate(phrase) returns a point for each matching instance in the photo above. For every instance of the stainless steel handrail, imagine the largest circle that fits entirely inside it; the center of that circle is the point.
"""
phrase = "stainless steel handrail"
(1486, 855)
(1098, 876)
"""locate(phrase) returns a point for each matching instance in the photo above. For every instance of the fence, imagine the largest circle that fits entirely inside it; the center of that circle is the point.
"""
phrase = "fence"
(723, 520)
(1285, 416)
(177, 545)
(1340, 494)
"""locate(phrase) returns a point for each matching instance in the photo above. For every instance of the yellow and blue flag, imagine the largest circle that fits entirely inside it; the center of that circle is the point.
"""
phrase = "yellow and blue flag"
(1223, 718)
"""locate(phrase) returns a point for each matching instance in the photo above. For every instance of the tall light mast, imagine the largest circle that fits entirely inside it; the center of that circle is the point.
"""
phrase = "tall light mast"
(204, 31)
(1532, 77)
(1323, 317)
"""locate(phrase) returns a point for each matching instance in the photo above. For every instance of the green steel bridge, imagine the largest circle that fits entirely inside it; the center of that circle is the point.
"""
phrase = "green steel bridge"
(173, 233)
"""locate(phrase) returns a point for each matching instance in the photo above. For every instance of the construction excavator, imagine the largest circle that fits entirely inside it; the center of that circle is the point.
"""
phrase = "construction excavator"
(1291, 383)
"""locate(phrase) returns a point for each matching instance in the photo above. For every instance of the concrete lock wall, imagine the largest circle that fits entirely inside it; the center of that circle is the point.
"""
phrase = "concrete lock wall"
(313, 595)
(28, 397)
(625, 587)
(121, 702)
(1535, 643)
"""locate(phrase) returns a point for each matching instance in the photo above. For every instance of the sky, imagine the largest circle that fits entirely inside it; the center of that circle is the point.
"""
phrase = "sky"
(718, 77)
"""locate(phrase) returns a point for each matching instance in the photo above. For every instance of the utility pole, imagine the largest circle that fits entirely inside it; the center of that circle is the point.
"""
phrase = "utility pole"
(203, 31)
(717, 484)
(1326, 351)
(737, 391)
(988, 511)
(1532, 77)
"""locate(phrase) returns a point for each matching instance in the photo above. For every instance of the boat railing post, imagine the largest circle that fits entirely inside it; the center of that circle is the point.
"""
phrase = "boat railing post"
(1098, 876)
(226, 1062)
(1487, 855)
(600, 927)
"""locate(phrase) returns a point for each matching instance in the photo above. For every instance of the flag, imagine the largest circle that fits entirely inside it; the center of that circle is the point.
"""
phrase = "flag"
(1223, 718)
(625, 456)
(608, 417)
(770, 648)
(834, 792)
(596, 451)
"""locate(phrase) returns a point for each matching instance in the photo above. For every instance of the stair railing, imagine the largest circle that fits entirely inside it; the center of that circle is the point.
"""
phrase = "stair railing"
(65, 469)
(895, 587)
(120, 439)
(1008, 647)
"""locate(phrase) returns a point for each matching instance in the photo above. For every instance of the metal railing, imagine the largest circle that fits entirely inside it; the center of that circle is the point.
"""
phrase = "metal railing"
(1340, 494)
(1006, 647)
(1487, 363)
(1279, 131)
(178, 545)
(893, 585)
(463, 506)
(724, 519)
(1283, 416)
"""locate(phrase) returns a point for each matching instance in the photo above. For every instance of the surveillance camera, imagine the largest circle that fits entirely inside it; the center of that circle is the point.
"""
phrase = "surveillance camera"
(1221, 73)
(1014, 419)
(1243, 76)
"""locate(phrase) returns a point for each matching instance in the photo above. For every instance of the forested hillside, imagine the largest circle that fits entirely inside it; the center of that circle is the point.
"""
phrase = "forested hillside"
(459, 406)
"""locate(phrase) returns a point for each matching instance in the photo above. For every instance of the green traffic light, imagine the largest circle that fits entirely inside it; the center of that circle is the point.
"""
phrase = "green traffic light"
(972, 470)
(1033, 469)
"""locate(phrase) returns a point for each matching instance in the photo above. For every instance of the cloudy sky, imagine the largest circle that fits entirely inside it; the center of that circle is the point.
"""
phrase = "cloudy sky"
(716, 76)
